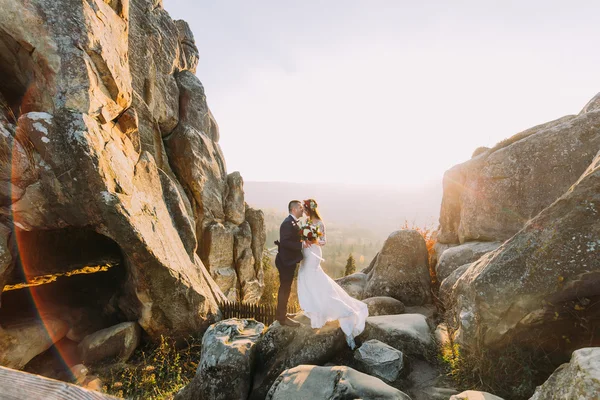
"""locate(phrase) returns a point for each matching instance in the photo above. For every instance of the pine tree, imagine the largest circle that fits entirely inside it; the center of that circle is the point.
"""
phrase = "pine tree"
(350, 266)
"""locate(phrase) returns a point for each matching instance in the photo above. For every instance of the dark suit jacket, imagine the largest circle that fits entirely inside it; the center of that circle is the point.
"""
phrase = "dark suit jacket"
(289, 251)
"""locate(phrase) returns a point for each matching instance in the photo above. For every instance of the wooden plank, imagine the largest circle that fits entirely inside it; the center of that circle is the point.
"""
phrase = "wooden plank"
(19, 385)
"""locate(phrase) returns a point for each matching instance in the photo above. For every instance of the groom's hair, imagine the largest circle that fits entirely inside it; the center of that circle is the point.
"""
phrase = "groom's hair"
(292, 204)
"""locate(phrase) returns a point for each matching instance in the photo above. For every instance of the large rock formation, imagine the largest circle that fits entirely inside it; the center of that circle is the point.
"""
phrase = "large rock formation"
(105, 129)
(401, 270)
(578, 379)
(542, 284)
(493, 195)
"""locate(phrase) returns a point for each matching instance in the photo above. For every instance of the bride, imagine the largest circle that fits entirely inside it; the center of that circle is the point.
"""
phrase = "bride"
(320, 297)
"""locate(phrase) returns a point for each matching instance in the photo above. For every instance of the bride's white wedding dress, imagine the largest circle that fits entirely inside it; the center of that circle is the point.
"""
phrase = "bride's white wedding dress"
(324, 300)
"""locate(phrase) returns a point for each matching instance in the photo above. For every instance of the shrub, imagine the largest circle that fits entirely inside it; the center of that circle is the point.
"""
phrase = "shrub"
(350, 266)
(155, 371)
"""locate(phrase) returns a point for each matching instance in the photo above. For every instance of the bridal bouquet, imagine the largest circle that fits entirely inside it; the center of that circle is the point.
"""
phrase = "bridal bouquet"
(309, 232)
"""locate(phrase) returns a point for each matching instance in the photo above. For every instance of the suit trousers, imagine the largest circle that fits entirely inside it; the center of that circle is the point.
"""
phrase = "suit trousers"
(286, 277)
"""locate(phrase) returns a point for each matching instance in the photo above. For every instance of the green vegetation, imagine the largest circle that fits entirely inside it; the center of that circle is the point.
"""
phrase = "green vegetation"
(155, 371)
(350, 266)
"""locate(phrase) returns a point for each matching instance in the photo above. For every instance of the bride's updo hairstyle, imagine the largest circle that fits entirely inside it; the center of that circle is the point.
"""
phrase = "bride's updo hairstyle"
(312, 209)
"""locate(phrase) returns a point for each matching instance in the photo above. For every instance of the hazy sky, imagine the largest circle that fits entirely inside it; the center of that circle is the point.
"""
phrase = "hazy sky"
(387, 92)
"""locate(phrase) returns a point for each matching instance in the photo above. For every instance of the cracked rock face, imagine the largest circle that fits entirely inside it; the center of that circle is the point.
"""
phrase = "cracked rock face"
(104, 126)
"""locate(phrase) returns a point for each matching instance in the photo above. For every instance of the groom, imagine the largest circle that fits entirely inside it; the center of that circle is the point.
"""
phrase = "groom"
(289, 254)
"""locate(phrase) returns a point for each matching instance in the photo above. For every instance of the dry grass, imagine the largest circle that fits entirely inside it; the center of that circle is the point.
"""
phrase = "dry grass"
(155, 371)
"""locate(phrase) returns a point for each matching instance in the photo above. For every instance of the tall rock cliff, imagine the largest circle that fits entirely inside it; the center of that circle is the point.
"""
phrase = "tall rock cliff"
(106, 134)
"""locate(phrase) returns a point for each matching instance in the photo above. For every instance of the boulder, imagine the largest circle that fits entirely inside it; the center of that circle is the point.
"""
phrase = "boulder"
(256, 219)
(578, 379)
(218, 243)
(539, 285)
(492, 196)
(251, 287)
(235, 207)
(23, 340)
(409, 333)
(118, 341)
(227, 361)
(401, 270)
(188, 55)
(474, 395)
(380, 360)
(313, 382)
(460, 255)
(354, 284)
(283, 347)
(383, 306)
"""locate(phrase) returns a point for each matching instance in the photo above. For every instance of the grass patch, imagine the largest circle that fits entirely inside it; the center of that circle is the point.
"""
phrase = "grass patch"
(155, 371)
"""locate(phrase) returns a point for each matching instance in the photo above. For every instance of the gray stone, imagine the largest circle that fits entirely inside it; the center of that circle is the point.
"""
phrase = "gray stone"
(117, 341)
(383, 306)
(380, 360)
(409, 333)
(227, 361)
(313, 382)
(578, 379)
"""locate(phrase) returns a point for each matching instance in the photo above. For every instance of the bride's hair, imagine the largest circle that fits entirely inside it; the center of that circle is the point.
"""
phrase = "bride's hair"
(312, 208)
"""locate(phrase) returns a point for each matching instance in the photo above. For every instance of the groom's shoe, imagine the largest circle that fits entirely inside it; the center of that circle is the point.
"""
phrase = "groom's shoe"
(289, 322)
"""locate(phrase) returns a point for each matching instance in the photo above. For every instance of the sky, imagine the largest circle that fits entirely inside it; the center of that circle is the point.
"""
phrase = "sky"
(385, 92)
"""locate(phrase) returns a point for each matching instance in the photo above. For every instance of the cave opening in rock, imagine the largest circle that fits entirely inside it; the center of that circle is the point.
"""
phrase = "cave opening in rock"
(17, 69)
(72, 275)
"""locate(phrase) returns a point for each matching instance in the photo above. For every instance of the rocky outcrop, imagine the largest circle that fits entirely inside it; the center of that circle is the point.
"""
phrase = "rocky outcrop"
(105, 127)
(466, 253)
(578, 379)
(492, 196)
(313, 382)
(401, 270)
(227, 361)
(540, 285)
(283, 347)
(380, 360)
(383, 306)
(117, 341)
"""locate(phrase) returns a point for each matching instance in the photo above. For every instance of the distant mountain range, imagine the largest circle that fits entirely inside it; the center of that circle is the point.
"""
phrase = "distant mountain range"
(379, 209)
